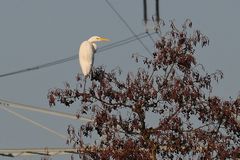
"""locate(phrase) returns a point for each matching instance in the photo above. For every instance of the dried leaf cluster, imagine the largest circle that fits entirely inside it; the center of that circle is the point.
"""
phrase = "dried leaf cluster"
(164, 110)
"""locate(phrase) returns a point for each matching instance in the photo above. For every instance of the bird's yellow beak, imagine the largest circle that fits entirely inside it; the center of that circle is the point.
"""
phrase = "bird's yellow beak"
(104, 39)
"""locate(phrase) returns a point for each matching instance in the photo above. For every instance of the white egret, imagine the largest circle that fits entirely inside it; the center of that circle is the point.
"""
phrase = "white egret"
(86, 54)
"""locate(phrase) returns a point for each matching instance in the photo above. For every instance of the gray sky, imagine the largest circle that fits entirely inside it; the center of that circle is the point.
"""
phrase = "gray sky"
(34, 32)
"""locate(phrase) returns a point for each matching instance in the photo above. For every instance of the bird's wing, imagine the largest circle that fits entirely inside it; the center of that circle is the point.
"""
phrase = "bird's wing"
(86, 52)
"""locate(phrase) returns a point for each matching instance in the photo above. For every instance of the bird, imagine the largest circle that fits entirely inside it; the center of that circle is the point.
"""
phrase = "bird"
(86, 54)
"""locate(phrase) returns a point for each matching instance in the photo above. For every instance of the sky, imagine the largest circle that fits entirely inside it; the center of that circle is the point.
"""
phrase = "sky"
(34, 32)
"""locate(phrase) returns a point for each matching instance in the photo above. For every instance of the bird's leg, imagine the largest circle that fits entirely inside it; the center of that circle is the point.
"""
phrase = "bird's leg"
(84, 86)
(92, 74)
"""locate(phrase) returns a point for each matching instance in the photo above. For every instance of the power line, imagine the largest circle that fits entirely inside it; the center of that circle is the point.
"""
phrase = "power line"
(123, 42)
(35, 123)
(129, 28)
(8, 104)
(149, 35)
(63, 60)
(38, 151)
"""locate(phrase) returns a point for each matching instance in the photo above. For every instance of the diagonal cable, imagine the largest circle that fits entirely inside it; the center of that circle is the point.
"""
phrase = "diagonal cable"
(35, 123)
(9, 104)
(150, 36)
(63, 60)
(130, 29)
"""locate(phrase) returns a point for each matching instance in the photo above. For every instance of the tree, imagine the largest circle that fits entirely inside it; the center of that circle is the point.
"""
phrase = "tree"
(164, 110)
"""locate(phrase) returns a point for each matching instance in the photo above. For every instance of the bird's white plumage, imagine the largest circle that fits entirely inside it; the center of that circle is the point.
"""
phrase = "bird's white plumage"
(86, 53)
(86, 57)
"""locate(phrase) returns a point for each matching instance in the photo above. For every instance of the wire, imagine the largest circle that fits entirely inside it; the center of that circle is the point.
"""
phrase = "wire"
(124, 42)
(40, 66)
(60, 61)
(130, 29)
(121, 42)
(149, 35)
(9, 104)
(35, 123)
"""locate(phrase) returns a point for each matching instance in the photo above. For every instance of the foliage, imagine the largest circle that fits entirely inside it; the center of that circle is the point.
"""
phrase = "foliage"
(165, 110)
